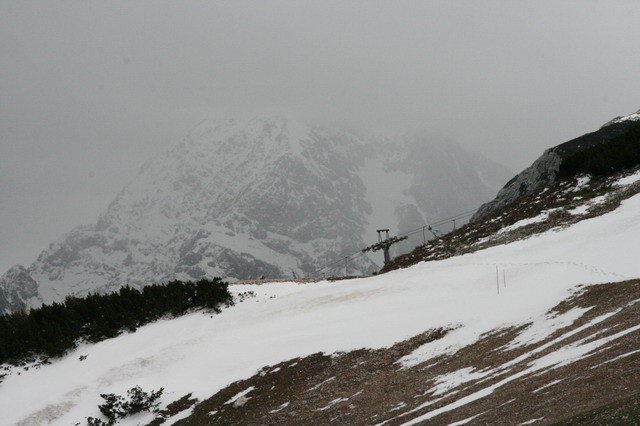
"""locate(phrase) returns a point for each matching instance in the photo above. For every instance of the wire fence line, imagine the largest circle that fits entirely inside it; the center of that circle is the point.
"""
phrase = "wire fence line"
(427, 227)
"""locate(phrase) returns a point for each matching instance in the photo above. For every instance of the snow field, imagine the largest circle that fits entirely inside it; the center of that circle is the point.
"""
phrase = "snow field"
(201, 354)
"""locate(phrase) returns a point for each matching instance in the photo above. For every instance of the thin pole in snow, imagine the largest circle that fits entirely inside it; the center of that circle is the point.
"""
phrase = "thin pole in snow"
(346, 265)
(504, 278)
(497, 280)
(424, 237)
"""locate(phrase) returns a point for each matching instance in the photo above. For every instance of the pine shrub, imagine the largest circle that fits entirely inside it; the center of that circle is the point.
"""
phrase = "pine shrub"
(51, 330)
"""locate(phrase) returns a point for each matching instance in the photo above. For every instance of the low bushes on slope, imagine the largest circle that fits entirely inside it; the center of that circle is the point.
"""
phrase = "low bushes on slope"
(620, 153)
(51, 330)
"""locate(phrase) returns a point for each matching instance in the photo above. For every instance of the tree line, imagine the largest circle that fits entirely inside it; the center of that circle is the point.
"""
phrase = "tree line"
(52, 330)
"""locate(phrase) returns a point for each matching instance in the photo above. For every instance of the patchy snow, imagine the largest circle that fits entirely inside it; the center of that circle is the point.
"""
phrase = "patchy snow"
(524, 222)
(448, 381)
(280, 408)
(580, 210)
(543, 327)
(240, 395)
(181, 415)
(617, 358)
(631, 117)
(581, 183)
(320, 384)
(627, 180)
(465, 421)
(563, 356)
(332, 403)
(548, 385)
(529, 422)
(201, 354)
(400, 406)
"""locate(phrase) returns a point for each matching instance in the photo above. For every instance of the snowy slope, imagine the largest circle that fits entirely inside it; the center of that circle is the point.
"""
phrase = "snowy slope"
(242, 199)
(202, 354)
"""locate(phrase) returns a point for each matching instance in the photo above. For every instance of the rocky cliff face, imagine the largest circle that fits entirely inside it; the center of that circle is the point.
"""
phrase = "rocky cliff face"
(259, 198)
(545, 169)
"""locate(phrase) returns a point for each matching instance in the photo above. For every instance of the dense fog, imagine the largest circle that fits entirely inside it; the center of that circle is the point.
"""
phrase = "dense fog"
(90, 90)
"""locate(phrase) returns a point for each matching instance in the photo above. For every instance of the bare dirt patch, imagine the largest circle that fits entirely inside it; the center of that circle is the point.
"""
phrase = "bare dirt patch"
(370, 386)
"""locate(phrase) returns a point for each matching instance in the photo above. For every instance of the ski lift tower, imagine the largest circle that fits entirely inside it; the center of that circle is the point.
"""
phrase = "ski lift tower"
(384, 242)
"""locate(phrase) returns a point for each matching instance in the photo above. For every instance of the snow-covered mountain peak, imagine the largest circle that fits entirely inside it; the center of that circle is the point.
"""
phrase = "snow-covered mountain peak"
(631, 117)
(246, 198)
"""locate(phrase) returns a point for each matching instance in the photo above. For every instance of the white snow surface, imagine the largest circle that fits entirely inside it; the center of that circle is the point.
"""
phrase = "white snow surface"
(202, 354)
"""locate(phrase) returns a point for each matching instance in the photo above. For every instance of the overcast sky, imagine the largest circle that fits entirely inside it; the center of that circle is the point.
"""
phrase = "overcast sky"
(91, 89)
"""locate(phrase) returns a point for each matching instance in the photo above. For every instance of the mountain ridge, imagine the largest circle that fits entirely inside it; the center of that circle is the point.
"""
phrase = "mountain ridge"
(243, 199)
(545, 169)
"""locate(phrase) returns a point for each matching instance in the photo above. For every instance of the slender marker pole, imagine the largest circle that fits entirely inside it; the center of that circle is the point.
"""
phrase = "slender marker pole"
(497, 280)
(504, 278)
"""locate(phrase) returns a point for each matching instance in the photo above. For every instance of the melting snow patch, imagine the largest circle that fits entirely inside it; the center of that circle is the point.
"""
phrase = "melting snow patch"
(320, 384)
(582, 182)
(580, 210)
(467, 420)
(182, 415)
(555, 382)
(627, 180)
(524, 222)
(332, 403)
(400, 406)
(528, 422)
(240, 395)
(544, 327)
(617, 358)
(631, 117)
(280, 408)
(448, 381)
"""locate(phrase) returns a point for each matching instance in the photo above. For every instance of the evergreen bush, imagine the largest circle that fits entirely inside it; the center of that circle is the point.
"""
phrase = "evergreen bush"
(51, 330)
(116, 407)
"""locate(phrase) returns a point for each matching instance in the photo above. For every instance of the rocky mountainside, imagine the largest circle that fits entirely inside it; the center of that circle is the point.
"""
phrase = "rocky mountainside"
(545, 169)
(577, 180)
(268, 197)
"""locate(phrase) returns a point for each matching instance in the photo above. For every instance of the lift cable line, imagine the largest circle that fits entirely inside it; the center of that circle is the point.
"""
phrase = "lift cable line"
(428, 227)
(384, 243)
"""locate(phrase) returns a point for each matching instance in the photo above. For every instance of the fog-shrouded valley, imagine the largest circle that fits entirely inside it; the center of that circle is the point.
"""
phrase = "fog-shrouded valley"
(286, 213)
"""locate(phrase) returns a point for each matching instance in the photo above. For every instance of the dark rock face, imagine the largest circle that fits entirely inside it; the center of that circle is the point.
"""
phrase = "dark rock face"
(16, 288)
(540, 173)
(545, 169)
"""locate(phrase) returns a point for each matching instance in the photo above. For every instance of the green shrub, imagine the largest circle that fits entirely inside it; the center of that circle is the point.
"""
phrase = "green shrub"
(51, 330)
(116, 407)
